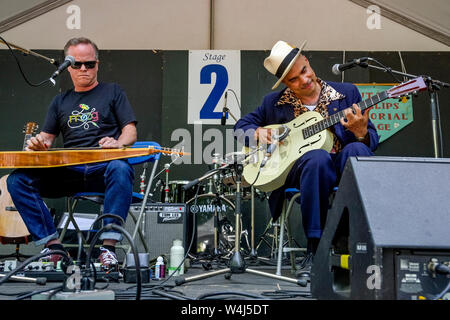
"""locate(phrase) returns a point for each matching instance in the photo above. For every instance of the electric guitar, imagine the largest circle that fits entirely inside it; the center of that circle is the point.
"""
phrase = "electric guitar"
(309, 131)
(12, 227)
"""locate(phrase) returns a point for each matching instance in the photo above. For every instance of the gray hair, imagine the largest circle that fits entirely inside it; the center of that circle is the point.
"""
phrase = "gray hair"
(80, 40)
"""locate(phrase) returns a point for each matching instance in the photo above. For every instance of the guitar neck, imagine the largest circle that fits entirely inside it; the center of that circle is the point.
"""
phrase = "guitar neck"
(168, 151)
(335, 118)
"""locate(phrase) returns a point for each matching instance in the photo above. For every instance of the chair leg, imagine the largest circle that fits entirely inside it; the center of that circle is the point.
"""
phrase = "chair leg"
(291, 245)
(289, 234)
(141, 235)
(66, 225)
(263, 239)
(281, 240)
(142, 211)
(71, 218)
(284, 225)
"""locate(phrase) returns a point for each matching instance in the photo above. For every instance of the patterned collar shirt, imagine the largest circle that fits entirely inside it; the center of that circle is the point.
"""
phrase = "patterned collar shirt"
(327, 95)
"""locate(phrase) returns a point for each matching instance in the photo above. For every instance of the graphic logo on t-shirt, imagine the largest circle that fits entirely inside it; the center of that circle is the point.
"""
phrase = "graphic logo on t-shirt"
(83, 118)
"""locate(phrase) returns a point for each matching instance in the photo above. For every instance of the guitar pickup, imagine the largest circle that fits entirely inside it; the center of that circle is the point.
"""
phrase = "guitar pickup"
(10, 208)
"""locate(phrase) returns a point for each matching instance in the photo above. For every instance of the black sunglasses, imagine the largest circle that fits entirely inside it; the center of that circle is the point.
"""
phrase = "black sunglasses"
(87, 64)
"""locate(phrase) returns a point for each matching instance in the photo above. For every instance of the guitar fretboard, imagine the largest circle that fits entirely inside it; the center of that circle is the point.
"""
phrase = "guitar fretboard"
(335, 118)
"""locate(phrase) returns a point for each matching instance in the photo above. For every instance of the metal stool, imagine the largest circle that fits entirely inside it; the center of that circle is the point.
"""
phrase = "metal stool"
(293, 194)
(98, 198)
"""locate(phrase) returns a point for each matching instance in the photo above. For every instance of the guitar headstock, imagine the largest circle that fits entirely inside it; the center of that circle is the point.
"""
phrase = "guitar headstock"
(169, 151)
(30, 128)
(411, 86)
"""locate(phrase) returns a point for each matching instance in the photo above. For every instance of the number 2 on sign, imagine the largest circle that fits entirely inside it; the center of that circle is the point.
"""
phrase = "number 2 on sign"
(207, 111)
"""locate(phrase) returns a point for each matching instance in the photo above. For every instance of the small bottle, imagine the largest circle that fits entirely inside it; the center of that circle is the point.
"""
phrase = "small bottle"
(159, 268)
(176, 258)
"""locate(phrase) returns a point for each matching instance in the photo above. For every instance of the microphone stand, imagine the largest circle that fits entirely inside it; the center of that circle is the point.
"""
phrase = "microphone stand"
(29, 52)
(231, 114)
(433, 87)
(25, 51)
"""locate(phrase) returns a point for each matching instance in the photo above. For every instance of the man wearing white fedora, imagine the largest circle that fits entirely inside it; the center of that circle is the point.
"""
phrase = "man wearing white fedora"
(316, 172)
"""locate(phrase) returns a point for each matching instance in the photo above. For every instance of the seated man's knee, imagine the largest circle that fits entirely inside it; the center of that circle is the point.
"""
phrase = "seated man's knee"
(15, 179)
(119, 170)
(356, 149)
(119, 166)
(318, 158)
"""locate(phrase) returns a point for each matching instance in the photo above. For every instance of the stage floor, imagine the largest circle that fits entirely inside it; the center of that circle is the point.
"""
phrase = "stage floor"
(216, 286)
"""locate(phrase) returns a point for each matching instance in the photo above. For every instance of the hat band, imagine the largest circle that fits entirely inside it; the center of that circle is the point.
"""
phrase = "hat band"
(283, 65)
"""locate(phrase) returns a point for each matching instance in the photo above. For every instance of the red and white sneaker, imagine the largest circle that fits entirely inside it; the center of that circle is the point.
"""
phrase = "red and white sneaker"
(108, 260)
(55, 258)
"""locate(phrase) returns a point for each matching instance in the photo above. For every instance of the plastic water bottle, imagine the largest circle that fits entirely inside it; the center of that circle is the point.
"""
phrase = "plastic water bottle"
(176, 258)
(159, 268)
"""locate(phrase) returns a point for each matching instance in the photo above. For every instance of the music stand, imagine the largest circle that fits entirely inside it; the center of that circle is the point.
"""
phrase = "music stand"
(236, 262)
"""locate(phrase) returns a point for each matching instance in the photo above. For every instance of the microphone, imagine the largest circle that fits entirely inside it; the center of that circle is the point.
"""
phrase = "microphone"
(223, 120)
(191, 184)
(68, 61)
(271, 147)
(338, 68)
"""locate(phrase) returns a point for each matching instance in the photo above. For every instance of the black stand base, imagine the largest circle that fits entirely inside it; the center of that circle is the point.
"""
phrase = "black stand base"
(237, 265)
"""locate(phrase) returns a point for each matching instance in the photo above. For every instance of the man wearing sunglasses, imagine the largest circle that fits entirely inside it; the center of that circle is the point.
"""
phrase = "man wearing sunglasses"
(92, 114)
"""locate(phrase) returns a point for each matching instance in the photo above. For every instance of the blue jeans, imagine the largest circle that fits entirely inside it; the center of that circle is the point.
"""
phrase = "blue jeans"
(28, 186)
(315, 174)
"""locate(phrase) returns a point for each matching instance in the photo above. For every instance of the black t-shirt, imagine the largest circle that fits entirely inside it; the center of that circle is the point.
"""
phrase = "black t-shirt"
(84, 118)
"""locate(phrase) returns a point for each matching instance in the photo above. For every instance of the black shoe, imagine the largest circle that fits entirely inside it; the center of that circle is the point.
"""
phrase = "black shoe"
(305, 267)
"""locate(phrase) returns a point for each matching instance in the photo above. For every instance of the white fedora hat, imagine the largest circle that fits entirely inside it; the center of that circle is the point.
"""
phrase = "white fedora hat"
(282, 58)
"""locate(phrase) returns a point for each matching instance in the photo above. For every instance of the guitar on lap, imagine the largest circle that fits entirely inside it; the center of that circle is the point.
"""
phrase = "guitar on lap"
(309, 131)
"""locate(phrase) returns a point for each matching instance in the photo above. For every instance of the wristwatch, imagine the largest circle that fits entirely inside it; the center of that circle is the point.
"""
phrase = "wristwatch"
(361, 139)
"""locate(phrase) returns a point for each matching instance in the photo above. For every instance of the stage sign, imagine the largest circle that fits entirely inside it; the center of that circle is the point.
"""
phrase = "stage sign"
(388, 116)
(212, 73)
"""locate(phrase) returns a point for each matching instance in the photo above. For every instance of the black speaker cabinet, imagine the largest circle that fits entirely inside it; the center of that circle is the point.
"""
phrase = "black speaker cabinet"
(389, 221)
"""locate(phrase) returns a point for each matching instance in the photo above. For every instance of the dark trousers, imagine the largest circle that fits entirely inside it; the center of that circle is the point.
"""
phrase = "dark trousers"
(315, 174)
(28, 186)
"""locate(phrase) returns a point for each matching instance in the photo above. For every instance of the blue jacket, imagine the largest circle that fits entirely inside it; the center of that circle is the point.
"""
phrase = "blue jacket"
(269, 113)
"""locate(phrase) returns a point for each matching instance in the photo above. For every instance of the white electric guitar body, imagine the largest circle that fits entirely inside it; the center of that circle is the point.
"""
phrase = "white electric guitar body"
(274, 173)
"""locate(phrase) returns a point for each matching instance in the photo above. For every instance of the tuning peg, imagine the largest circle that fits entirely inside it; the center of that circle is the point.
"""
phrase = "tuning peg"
(403, 99)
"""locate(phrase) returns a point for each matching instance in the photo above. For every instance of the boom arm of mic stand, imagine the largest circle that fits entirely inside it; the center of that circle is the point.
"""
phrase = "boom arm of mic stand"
(26, 51)
(403, 74)
(205, 176)
(434, 104)
(411, 76)
(231, 114)
(214, 171)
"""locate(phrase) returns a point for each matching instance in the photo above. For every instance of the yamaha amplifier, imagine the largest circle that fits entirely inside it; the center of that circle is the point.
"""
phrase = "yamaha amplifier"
(161, 224)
